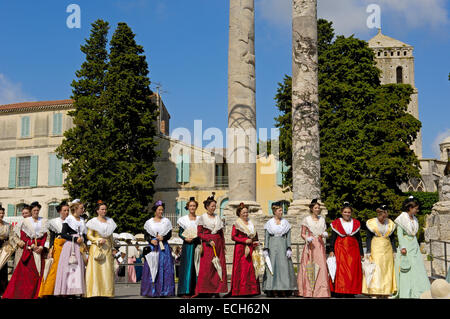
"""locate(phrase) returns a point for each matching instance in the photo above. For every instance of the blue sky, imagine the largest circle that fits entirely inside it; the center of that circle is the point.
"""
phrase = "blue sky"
(186, 45)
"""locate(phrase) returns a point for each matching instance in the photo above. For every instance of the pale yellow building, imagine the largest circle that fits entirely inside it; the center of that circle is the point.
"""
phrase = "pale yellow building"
(30, 171)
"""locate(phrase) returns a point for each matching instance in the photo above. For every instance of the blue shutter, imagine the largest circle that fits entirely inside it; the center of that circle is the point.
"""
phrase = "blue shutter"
(186, 162)
(12, 172)
(270, 207)
(51, 170)
(58, 171)
(279, 173)
(179, 165)
(11, 210)
(33, 171)
(57, 124)
(25, 127)
(184, 211)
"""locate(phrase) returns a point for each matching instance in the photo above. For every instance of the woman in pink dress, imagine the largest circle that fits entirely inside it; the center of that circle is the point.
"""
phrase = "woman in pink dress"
(313, 232)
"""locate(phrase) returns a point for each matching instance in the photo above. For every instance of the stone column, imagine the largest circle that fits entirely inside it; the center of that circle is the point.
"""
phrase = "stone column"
(437, 227)
(305, 107)
(241, 135)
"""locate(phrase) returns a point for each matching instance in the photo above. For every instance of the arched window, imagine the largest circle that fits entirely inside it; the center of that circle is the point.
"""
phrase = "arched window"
(223, 205)
(52, 213)
(399, 74)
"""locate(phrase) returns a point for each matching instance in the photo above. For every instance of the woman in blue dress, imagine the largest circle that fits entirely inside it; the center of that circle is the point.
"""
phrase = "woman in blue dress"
(159, 231)
(188, 232)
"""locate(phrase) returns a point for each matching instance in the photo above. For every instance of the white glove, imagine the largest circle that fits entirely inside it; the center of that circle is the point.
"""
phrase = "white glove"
(309, 239)
(325, 234)
(265, 253)
(289, 253)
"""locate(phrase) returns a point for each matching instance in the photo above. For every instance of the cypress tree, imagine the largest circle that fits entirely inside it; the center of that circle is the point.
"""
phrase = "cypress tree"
(131, 127)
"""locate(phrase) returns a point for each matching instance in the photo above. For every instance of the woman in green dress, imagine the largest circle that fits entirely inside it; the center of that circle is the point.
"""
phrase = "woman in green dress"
(411, 275)
(281, 281)
(188, 232)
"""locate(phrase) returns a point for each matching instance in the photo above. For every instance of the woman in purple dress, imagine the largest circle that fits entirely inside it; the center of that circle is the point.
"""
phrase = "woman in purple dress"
(159, 231)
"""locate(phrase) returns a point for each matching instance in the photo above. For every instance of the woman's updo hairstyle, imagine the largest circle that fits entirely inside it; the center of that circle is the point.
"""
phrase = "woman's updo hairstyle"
(240, 208)
(74, 206)
(383, 208)
(35, 204)
(209, 200)
(157, 204)
(346, 205)
(314, 202)
(410, 202)
(276, 206)
(99, 204)
(191, 199)
(61, 205)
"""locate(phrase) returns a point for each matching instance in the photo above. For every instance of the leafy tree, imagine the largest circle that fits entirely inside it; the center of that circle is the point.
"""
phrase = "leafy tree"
(84, 142)
(131, 129)
(111, 150)
(365, 129)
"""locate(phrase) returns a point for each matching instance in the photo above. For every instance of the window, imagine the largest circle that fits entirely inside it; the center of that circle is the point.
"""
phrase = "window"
(19, 208)
(223, 205)
(25, 126)
(23, 171)
(392, 53)
(398, 53)
(221, 174)
(57, 124)
(379, 53)
(404, 53)
(52, 213)
(399, 72)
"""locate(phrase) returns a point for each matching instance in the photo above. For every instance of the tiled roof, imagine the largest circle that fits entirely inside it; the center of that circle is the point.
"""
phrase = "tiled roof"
(27, 106)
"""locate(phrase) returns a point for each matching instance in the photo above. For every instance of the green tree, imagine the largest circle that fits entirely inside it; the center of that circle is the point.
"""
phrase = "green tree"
(131, 131)
(84, 142)
(365, 129)
(110, 151)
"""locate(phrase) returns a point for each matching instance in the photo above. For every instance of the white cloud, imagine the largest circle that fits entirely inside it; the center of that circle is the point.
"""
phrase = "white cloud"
(439, 138)
(11, 92)
(350, 16)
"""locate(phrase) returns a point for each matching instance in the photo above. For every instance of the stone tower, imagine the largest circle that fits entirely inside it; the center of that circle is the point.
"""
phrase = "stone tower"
(395, 59)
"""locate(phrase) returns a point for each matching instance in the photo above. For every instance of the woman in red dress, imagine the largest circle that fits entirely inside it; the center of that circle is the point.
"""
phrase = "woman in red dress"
(346, 245)
(243, 278)
(210, 232)
(26, 279)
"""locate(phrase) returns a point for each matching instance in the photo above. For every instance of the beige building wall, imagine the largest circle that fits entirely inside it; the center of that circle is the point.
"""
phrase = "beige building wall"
(40, 142)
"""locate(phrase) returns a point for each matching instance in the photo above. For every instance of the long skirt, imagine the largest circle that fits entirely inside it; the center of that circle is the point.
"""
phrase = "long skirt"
(187, 274)
(383, 281)
(131, 270)
(48, 286)
(164, 284)
(25, 281)
(70, 278)
(283, 277)
(314, 253)
(348, 278)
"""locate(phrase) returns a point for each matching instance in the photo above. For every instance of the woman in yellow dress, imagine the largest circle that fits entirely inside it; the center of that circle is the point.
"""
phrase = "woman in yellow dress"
(100, 267)
(380, 244)
(56, 244)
